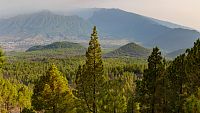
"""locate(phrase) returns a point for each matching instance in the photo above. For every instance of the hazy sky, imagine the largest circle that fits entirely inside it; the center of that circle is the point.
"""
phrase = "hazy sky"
(184, 12)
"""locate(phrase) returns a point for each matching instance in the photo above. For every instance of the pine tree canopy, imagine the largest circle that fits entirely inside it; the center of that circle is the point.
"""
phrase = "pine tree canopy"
(51, 93)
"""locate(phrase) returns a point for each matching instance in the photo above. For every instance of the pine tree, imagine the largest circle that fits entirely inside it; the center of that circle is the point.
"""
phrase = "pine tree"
(9, 95)
(2, 81)
(2, 59)
(178, 79)
(24, 97)
(90, 76)
(114, 99)
(192, 103)
(149, 103)
(193, 67)
(191, 80)
(52, 94)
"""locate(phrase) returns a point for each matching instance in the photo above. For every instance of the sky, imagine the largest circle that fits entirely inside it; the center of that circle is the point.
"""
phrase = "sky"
(183, 12)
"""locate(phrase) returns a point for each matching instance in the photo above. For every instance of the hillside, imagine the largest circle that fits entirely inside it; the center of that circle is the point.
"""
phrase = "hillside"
(44, 23)
(176, 39)
(57, 45)
(120, 24)
(176, 53)
(130, 50)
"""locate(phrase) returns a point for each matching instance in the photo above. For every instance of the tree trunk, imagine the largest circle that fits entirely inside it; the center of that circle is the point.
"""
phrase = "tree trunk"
(114, 108)
(132, 105)
(54, 109)
(94, 86)
(154, 91)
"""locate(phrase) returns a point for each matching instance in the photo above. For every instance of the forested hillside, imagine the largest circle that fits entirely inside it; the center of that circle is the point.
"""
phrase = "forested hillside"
(129, 50)
(57, 82)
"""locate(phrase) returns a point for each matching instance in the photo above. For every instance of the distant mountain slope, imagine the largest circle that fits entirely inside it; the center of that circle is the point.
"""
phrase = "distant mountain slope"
(148, 31)
(131, 50)
(169, 24)
(120, 24)
(176, 39)
(111, 24)
(57, 45)
(176, 53)
(46, 24)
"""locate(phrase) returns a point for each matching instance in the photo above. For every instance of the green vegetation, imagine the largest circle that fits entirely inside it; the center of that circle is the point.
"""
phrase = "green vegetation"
(57, 45)
(12, 93)
(90, 79)
(152, 84)
(130, 50)
(30, 83)
(171, 88)
(52, 94)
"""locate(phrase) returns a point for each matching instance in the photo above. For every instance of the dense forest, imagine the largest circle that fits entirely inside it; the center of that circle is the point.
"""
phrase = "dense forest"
(91, 83)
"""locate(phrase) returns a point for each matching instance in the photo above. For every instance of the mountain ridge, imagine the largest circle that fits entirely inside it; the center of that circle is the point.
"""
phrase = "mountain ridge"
(44, 23)
(111, 23)
(175, 53)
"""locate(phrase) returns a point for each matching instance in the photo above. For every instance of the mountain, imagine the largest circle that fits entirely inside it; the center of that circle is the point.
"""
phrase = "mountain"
(57, 45)
(44, 23)
(148, 31)
(130, 50)
(176, 39)
(120, 24)
(169, 24)
(113, 24)
(176, 53)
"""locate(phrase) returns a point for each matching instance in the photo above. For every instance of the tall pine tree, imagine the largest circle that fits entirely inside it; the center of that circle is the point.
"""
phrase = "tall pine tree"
(193, 67)
(177, 83)
(149, 100)
(90, 76)
(2, 60)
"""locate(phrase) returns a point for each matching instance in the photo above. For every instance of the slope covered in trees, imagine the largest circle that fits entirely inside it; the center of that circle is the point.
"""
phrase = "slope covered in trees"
(130, 50)
(174, 87)
(57, 45)
(12, 93)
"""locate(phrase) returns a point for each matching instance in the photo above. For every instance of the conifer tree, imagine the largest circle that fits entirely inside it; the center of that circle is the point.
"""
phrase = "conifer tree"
(90, 77)
(114, 98)
(9, 95)
(24, 97)
(178, 80)
(193, 67)
(149, 103)
(2, 59)
(192, 103)
(52, 94)
(2, 81)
